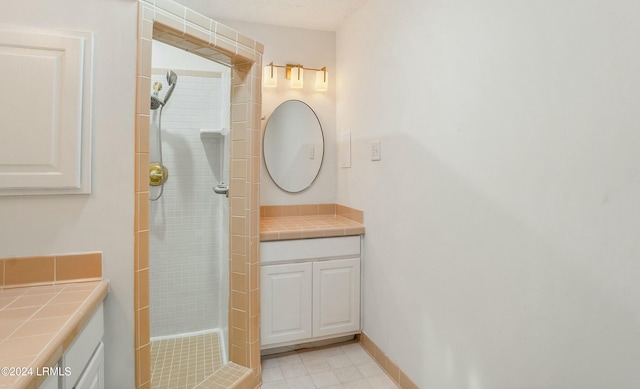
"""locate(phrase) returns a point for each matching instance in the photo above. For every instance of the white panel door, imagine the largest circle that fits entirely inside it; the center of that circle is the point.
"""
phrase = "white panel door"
(336, 296)
(285, 302)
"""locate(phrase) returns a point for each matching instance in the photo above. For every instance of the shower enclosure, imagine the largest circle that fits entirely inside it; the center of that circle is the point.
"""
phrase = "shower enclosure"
(188, 217)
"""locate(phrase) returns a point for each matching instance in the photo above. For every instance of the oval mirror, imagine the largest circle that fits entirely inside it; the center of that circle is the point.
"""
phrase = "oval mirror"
(293, 146)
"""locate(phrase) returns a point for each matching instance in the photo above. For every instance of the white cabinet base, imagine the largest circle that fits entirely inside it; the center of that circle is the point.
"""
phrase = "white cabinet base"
(310, 290)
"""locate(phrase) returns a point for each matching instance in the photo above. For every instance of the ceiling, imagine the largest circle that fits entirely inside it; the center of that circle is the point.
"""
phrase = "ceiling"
(324, 15)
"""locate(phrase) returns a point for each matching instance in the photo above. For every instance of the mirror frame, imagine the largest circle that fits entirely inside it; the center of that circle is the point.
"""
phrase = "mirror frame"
(264, 159)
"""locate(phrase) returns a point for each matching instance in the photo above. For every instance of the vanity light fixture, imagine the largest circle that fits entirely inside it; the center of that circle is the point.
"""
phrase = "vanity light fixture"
(295, 75)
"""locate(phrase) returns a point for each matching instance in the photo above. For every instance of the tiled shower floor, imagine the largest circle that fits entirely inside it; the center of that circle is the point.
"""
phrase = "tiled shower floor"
(339, 367)
(183, 363)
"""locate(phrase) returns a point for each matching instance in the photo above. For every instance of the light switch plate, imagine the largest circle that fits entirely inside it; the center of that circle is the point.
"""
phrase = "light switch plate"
(376, 151)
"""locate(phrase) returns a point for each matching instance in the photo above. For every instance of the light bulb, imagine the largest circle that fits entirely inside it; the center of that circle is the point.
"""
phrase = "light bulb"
(297, 77)
(270, 76)
(322, 80)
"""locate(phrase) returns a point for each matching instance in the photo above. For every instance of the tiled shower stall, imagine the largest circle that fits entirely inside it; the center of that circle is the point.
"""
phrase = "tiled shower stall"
(188, 223)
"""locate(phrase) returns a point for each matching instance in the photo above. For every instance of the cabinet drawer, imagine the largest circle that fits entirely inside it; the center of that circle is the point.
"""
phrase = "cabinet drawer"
(306, 249)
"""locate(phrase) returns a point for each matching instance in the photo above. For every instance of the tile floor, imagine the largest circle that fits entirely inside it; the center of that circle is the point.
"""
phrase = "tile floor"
(183, 363)
(339, 367)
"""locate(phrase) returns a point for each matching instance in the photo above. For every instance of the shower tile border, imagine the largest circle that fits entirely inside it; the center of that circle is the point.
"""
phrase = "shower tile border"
(188, 73)
(179, 26)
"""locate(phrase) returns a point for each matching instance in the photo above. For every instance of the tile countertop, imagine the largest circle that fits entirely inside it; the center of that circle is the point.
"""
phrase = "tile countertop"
(309, 226)
(38, 323)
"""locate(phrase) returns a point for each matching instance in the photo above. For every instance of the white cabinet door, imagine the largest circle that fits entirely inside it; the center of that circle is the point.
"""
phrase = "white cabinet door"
(93, 376)
(336, 296)
(285, 302)
(83, 348)
(51, 382)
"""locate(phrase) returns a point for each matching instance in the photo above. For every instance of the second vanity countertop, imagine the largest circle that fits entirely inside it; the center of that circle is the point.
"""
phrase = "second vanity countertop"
(309, 221)
(38, 323)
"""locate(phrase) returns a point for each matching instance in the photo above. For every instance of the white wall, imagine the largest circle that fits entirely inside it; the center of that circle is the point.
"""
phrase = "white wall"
(315, 49)
(502, 222)
(102, 221)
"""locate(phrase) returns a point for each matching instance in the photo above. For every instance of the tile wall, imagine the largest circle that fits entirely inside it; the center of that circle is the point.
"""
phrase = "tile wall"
(312, 210)
(188, 245)
(174, 24)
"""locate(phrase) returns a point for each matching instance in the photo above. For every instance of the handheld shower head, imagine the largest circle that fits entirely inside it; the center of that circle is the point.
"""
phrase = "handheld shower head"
(157, 102)
(172, 79)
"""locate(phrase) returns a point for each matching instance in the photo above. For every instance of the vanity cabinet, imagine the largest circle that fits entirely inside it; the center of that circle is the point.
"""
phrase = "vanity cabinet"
(310, 290)
(82, 365)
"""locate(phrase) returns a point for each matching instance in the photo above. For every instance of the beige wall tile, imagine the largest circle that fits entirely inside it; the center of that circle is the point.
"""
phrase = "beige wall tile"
(28, 270)
(238, 282)
(246, 41)
(142, 131)
(238, 264)
(239, 300)
(199, 19)
(142, 277)
(309, 209)
(238, 355)
(271, 210)
(143, 88)
(326, 209)
(144, 56)
(291, 210)
(169, 21)
(226, 32)
(200, 36)
(259, 47)
(78, 266)
(144, 326)
(143, 370)
(238, 244)
(142, 242)
(238, 225)
(179, 11)
(142, 176)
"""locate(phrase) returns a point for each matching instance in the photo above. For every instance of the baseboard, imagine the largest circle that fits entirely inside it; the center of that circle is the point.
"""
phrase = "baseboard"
(392, 370)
